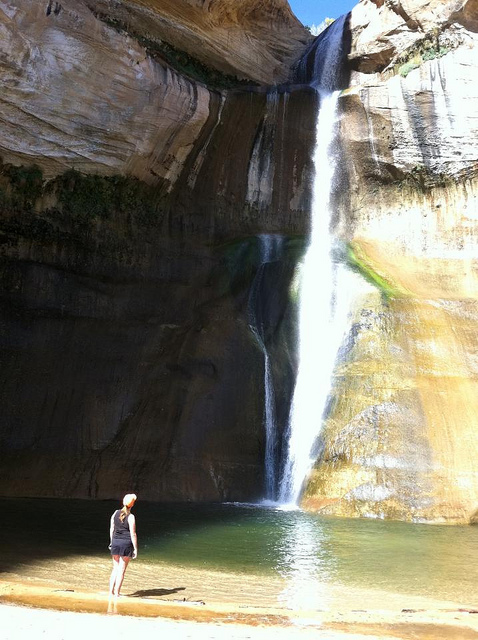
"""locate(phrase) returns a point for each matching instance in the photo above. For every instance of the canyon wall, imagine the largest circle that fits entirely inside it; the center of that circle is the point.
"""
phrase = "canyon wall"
(137, 180)
(148, 149)
(401, 439)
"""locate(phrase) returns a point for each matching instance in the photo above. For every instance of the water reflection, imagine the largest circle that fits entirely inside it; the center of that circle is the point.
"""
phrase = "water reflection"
(300, 558)
(304, 565)
(112, 605)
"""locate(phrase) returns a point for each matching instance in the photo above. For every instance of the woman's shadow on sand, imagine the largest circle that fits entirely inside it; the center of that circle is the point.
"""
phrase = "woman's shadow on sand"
(145, 593)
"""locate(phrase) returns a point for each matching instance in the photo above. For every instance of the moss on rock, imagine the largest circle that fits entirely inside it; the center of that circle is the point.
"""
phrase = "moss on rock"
(93, 212)
(357, 261)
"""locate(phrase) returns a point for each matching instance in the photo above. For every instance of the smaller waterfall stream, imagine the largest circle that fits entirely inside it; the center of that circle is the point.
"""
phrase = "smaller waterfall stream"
(269, 251)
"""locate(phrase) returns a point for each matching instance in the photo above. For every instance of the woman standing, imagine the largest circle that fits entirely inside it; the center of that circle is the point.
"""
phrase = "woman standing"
(123, 542)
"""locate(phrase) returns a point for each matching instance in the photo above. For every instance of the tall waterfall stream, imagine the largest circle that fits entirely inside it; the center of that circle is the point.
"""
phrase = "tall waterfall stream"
(320, 330)
(324, 300)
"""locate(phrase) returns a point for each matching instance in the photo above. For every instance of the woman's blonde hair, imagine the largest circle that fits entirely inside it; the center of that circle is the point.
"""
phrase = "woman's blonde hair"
(128, 502)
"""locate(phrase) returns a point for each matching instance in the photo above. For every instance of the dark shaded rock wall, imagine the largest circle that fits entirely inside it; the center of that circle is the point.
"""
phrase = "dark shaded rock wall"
(127, 359)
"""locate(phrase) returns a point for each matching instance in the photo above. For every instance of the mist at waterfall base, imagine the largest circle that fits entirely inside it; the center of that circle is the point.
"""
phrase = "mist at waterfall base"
(324, 303)
(245, 554)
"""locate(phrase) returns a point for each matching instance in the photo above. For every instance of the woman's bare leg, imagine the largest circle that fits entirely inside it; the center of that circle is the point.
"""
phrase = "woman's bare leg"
(114, 573)
(122, 565)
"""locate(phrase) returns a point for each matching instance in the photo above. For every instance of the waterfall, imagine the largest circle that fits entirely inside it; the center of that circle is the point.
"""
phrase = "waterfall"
(317, 329)
(322, 321)
(269, 251)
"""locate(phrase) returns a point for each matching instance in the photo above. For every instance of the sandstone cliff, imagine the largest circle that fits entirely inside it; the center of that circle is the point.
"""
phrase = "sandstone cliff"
(109, 87)
(402, 439)
(253, 39)
(146, 162)
(141, 161)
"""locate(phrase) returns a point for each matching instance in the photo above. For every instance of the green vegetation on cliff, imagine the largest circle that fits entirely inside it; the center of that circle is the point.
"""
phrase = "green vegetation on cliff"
(429, 48)
(68, 206)
(357, 261)
(91, 196)
(20, 187)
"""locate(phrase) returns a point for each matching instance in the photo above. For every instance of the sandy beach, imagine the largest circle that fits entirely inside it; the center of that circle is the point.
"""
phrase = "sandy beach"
(63, 595)
(32, 609)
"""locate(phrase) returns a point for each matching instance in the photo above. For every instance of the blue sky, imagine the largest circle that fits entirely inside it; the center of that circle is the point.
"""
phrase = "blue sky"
(312, 12)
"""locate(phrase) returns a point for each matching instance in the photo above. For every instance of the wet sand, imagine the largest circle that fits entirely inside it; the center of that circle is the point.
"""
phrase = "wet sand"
(197, 603)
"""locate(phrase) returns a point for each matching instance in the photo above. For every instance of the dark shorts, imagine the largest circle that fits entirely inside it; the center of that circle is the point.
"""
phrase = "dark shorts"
(122, 548)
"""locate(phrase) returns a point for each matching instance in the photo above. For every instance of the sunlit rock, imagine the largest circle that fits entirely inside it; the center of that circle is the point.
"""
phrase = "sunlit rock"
(401, 437)
(258, 40)
(110, 88)
(383, 32)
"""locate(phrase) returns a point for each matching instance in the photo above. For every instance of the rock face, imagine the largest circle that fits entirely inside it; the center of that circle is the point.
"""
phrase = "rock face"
(133, 199)
(83, 93)
(80, 95)
(146, 163)
(254, 39)
(401, 439)
(384, 31)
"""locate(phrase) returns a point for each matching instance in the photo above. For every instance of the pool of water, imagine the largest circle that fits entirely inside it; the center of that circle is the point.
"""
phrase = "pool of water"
(307, 552)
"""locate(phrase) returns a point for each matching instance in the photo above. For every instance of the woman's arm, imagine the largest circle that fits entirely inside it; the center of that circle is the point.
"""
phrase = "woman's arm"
(112, 528)
(134, 537)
